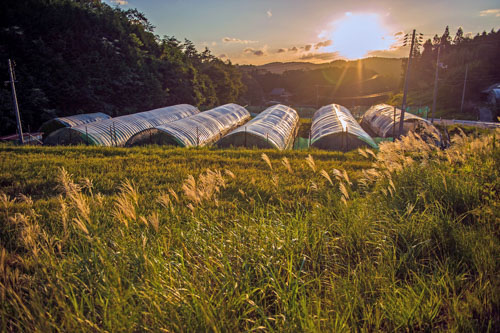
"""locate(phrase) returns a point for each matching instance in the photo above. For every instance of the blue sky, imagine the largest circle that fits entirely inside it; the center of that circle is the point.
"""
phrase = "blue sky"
(259, 31)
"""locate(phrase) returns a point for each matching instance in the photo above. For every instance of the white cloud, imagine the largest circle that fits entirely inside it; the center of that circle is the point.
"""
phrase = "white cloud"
(120, 2)
(489, 12)
(229, 40)
(269, 13)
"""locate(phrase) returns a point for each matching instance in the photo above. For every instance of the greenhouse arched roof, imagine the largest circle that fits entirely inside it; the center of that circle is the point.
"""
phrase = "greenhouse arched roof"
(116, 131)
(274, 127)
(198, 130)
(383, 120)
(71, 121)
(334, 128)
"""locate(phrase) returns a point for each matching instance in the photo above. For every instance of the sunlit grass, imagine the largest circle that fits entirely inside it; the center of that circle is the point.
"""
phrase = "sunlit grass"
(169, 239)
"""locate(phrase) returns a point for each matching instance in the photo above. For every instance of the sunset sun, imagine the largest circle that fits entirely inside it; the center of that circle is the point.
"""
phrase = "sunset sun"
(355, 35)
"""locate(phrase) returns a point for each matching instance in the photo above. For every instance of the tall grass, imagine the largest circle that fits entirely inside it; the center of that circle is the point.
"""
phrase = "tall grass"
(152, 239)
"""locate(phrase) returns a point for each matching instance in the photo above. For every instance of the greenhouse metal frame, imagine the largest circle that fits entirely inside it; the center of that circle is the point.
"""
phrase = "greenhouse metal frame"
(275, 127)
(116, 131)
(71, 121)
(201, 129)
(383, 121)
(334, 128)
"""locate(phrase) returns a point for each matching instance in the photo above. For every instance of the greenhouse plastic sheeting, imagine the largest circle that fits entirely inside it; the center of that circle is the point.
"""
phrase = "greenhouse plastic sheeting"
(381, 120)
(71, 121)
(198, 130)
(116, 131)
(334, 128)
(274, 127)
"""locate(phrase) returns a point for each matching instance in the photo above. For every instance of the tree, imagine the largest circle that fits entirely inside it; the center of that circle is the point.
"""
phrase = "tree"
(436, 40)
(445, 38)
(136, 17)
(459, 36)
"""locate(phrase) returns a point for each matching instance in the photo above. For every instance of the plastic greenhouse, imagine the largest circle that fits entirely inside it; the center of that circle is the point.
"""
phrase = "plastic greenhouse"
(116, 131)
(275, 127)
(198, 130)
(383, 121)
(334, 128)
(71, 121)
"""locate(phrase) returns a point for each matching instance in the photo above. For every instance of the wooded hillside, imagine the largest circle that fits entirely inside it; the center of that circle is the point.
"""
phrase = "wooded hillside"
(78, 56)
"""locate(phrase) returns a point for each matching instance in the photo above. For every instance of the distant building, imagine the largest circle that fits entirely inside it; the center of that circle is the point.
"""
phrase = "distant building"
(280, 95)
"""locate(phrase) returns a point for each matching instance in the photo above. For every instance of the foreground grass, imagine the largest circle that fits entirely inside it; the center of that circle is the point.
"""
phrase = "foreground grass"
(151, 239)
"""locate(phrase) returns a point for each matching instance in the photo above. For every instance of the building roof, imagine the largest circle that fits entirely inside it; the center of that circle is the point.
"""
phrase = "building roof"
(490, 88)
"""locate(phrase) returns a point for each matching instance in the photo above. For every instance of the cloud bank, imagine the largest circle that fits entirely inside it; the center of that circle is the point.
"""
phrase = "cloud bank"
(230, 40)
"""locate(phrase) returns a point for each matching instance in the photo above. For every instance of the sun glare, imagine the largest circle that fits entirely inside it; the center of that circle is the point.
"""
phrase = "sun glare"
(355, 35)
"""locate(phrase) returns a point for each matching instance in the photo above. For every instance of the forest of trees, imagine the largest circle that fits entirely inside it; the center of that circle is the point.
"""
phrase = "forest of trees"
(480, 54)
(79, 56)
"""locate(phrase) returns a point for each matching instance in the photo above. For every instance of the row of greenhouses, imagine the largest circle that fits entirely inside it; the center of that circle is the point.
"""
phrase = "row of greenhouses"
(333, 127)
(199, 130)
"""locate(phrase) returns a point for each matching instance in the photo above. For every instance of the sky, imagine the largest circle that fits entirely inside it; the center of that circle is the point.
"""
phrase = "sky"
(263, 31)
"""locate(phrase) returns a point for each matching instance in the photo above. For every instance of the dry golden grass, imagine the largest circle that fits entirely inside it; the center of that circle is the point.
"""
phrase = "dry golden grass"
(310, 162)
(388, 248)
(266, 159)
(286, 164)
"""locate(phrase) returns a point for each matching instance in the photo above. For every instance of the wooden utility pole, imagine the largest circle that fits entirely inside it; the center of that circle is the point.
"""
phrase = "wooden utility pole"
(434, 96)
(405, 91)
(14, 101)
(465, 83)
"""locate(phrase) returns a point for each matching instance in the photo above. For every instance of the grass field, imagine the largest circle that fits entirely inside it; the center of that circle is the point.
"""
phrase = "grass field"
(168, 239)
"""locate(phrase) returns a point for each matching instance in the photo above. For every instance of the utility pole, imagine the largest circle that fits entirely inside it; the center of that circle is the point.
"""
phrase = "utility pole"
(465, 83)
(405, 91)
(434, 97)
(14, 101)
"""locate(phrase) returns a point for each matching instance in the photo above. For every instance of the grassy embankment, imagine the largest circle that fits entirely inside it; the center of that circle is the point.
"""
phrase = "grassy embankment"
(127, 240)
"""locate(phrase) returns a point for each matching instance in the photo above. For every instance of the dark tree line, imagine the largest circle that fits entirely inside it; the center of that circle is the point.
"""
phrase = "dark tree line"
(79, 56)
